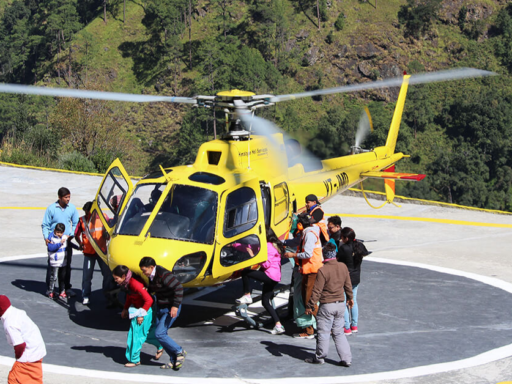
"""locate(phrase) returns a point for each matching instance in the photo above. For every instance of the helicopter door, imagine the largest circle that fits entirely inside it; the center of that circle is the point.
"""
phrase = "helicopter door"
(241, 238)
(110, 201)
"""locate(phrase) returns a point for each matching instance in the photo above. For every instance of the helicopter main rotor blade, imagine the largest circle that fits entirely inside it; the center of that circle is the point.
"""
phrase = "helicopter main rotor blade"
(452, 74)
(77, 93)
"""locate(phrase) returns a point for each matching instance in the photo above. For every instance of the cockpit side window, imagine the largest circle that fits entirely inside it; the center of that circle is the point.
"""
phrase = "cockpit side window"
(241, 212)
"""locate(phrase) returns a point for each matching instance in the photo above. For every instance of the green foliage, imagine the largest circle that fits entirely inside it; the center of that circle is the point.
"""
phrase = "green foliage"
(75, 161)
(330, 37)
(324, 11)
(461, 19)
(418, 17)
(339, 24)
(503, 43)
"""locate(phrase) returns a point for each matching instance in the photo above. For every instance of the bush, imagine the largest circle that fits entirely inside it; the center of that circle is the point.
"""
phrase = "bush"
(330, 38)
(75, 161)
(340, 22)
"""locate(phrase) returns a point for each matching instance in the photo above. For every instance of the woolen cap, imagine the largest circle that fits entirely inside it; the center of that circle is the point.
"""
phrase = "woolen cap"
(312, 198)
(5, 303)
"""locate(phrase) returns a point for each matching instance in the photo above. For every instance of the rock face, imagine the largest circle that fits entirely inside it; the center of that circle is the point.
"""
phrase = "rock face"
(478, 10)
(312, 56)
(302, 35)
(365, 68)
(367, 51)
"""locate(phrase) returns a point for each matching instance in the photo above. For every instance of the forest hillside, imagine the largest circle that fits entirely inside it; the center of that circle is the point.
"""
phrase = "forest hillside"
(458, 133)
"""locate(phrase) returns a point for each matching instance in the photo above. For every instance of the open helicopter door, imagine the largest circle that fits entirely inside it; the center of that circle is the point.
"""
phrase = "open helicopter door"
(241, 236)
(110, 201)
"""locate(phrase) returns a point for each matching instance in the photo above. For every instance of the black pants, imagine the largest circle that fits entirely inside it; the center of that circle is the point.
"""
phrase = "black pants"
(67, 268)
(57, 276)
(267, 291)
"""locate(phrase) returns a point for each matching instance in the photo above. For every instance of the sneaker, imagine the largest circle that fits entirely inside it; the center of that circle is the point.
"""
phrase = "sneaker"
(63, 296)
(85, 301)
(353, 328)
(245, 299)
(313, 360)
(51, 295)
(344, 364)
(278, 330)
(70, 293)
(303, 335)
(348, 331)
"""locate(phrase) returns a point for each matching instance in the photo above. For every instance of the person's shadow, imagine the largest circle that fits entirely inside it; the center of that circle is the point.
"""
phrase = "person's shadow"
(116, 354)
(294, 351)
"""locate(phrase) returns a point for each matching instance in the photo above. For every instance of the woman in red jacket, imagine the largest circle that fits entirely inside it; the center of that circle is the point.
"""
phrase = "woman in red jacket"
(138, 309)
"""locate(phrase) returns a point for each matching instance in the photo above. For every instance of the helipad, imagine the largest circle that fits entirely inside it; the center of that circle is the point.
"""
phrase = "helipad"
(435, 302)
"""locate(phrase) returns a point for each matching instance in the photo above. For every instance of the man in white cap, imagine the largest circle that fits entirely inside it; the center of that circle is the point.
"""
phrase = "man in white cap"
(29, 348)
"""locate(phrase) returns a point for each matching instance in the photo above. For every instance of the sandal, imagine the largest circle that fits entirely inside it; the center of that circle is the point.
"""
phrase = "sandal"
(159, 354)
(180, 359)
(167, 366)
(131, 365)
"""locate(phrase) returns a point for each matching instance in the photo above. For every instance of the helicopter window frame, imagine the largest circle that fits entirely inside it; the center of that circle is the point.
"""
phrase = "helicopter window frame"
(284, 199)
(112, 177)
(240, 250)
(234, 223)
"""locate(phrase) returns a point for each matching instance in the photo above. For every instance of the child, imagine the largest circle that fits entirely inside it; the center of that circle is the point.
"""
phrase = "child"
(57, 259)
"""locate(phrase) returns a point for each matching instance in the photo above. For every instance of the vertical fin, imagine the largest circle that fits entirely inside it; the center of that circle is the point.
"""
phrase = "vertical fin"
(397, 117)
(389, 185)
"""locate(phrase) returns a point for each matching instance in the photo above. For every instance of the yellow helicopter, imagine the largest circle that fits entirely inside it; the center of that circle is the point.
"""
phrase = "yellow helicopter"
(192, 219)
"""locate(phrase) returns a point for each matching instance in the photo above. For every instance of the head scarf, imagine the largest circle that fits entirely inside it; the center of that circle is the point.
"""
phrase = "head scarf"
(126, 281)
(5, 303)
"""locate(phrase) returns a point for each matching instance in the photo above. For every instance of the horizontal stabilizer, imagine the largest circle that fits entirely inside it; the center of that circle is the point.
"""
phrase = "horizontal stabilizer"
(393, 176)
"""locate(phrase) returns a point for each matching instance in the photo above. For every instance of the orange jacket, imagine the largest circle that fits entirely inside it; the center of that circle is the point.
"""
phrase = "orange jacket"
(314, 263)
(96, 230)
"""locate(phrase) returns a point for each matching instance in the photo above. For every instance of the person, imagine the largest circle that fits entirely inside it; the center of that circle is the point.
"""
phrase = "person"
(317, 215)
(334, 228)
(90, 256)
(270, 274)
(138, 308)
(331, 285)
(62, 211)
(309, 259)
(351, 253)
(57, 259)
(169, 295)
(29, 348)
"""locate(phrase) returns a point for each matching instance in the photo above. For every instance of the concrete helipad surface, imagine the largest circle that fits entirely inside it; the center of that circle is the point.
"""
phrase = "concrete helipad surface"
(435, 302)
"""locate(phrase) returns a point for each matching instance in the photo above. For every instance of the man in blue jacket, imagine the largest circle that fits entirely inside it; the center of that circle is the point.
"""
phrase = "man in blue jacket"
(62, 211)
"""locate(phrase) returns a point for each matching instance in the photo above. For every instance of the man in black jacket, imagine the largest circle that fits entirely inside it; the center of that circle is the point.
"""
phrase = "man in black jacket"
(169, 295)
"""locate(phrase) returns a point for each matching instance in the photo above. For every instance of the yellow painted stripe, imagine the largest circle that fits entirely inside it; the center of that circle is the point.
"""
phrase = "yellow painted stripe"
(58, 170)
(34, 208)
(436, 202)
(424, 219)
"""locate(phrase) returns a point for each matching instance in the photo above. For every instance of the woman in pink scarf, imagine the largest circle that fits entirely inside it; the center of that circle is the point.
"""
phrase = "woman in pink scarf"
(270, 274)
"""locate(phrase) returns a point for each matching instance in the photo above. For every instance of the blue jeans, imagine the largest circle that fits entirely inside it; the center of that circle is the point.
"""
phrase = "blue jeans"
(354, 311)
(88, 270)
(164, 321)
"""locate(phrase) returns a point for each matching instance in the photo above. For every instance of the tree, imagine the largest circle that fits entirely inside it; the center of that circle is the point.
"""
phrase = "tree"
(418, 16)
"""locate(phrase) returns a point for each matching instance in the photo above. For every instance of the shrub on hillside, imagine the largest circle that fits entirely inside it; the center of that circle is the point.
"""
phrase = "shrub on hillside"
(75, 161)
(340, 22)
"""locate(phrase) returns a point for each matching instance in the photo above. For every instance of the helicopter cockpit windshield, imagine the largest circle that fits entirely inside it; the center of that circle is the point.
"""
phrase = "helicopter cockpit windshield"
(187, 213)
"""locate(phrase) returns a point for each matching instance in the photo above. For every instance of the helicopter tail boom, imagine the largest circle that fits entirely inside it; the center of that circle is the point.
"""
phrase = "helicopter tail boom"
(397, 118)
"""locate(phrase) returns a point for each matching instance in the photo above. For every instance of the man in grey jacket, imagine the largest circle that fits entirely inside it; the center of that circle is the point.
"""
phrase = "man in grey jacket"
(331, 285)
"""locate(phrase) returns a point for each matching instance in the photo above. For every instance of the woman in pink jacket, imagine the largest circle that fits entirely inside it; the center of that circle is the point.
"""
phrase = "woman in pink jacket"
(270, 274)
